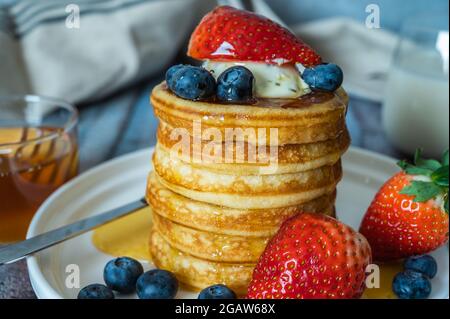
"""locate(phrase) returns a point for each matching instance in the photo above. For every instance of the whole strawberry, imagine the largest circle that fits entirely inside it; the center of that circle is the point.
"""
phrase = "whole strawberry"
(312, 256)
(409, 214)
(230, 34)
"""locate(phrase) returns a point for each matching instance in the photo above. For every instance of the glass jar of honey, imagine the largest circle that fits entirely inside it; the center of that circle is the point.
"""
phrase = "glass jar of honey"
(38, 153)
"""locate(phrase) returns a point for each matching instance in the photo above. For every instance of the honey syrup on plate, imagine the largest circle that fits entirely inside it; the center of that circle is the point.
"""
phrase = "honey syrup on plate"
(387, 274)
(34, 162)
(128, 236)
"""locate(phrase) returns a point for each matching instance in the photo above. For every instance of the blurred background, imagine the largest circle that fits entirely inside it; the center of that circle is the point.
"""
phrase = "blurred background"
(105, 56)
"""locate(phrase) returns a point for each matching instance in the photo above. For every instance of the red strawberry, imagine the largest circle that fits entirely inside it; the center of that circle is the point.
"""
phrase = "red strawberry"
(312, 256)
(409, 214)
(227, 33)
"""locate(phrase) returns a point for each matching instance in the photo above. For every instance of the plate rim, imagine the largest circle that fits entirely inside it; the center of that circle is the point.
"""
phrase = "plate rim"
(41, 286)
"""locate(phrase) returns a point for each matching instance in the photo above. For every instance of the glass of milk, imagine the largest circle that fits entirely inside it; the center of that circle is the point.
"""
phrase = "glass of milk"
(416, 105)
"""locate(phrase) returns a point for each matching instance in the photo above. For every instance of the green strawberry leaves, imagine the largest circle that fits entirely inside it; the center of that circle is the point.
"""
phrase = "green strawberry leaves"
(421, 166)
(440, 176)
(436, 181)
(430, 164)
(445, 158)
(423, 191)
(414, 170)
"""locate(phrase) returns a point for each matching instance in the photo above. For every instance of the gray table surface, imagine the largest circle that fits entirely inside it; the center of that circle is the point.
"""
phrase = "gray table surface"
(125, 123)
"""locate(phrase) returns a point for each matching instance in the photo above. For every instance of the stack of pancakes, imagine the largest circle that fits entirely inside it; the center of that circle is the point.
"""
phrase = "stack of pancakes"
(213, 217)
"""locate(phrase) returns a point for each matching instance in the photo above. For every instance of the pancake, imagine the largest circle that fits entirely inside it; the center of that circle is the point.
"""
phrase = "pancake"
(244, 191)
(208, 245)
(199, 273)
(227, 221)
(289, 158)
(318, 116)
(186, 175)
(254, 201)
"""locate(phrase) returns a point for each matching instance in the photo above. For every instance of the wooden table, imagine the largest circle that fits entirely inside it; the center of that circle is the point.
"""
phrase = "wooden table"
(125, 123)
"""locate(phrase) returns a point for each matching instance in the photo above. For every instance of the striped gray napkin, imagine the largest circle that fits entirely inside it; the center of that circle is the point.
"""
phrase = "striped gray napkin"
(82, 50)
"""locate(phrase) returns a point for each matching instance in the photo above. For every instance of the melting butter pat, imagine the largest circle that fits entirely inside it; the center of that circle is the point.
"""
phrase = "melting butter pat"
(271, 81)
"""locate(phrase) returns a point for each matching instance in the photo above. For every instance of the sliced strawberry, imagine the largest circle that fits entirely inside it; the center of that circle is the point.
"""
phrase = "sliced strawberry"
(312, 256)
(230, 34)
(409, 214)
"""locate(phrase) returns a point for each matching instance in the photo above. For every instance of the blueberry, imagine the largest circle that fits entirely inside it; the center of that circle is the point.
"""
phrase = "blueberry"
(217, 292)
(121, 274)
(424, 264)
(96, 291)
(411, 285)
(235, 85)
(157, 284)
(171, 71)
(326, 77)
(192, 83)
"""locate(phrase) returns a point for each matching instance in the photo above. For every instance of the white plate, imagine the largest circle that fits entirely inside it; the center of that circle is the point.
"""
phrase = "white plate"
(123, 180)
